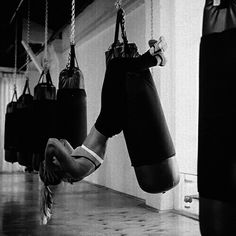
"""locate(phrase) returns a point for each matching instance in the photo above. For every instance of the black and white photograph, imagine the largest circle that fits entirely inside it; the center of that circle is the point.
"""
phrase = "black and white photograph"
(117, 118)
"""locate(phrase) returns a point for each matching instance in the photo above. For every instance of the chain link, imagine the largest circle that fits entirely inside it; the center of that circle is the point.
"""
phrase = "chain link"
(72, 37)
(152, 27)
(15, 61)
(28, 37)
(46, 37)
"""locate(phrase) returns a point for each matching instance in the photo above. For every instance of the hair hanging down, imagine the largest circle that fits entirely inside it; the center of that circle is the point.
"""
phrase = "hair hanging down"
(46, 198)
(50, 177)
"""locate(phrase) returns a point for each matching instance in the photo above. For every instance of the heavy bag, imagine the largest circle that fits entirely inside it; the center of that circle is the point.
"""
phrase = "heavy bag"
(26, 124)
(11, 132)
(72, 104)
(44, 109)
(121, 49)
(217, 106)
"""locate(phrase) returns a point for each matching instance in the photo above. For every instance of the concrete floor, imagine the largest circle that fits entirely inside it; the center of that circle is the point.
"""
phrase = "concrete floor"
(83, 209)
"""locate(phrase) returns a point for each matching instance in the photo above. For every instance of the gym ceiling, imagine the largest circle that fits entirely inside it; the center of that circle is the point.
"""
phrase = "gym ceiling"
(12, 11)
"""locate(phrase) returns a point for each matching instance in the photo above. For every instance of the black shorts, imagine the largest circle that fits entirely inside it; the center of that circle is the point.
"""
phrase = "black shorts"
(130, 103)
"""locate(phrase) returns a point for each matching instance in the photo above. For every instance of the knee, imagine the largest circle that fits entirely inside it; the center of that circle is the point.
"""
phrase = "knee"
(52, 142)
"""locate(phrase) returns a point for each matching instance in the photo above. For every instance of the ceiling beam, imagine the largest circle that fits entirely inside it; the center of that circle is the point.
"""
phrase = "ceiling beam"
(17, 9)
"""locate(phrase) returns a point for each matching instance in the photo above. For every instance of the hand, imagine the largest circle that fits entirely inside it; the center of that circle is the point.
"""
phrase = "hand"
(50, 176)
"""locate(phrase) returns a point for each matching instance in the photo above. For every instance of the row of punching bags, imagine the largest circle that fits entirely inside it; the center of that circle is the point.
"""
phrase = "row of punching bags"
(32, 120)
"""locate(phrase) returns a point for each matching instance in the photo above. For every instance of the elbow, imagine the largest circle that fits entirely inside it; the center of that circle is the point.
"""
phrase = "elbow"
(51, 147)
(52, 142)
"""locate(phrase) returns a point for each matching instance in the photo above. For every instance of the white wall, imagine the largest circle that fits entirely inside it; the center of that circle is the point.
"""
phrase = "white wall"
(188, 26)
(187, 31)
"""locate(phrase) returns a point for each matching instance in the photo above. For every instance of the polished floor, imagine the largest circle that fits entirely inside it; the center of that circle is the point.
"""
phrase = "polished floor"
(83, 209)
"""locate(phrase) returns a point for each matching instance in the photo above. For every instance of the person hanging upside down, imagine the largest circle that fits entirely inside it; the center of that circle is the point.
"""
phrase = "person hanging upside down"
(127, 87)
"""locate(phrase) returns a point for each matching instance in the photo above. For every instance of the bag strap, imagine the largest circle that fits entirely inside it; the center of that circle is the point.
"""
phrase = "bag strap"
(117, 29)
(48, 78)
(45, 74)
(123, 31)
(14, 94)
(120, 22)
(72, 58)
(26, 87)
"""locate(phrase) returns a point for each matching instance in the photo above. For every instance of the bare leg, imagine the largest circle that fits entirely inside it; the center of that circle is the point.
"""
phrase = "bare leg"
(96, 141)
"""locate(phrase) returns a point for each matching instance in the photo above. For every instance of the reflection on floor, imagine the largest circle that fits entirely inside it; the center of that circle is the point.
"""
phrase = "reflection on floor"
(83, 209)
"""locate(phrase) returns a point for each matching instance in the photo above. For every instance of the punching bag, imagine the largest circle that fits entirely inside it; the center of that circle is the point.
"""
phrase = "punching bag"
(25, 127)
(71, 104)
(44, 108)
(217, 103)
(11, 132)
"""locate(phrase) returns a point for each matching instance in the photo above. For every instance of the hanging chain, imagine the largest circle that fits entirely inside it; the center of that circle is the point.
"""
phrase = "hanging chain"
(46, 37)
(72, 37)
(152, 27)
(122, 20)
(28, 38)
(15, 62)
(122, 25)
